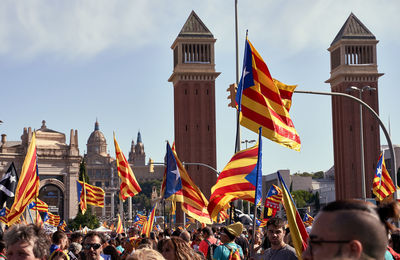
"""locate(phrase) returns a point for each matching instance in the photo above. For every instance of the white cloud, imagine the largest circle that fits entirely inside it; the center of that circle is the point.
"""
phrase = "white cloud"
(82, 29)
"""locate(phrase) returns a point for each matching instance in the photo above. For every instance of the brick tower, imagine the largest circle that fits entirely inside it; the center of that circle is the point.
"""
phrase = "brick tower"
(354, 65)
(193, 80)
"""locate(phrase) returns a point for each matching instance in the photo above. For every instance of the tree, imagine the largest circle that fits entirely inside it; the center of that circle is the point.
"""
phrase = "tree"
(302, 198)
(81, 220)
(143, 199)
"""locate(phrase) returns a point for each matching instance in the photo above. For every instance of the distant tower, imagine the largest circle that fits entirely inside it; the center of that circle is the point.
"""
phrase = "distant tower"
(193, 79)
(137, 154)
(354, 63)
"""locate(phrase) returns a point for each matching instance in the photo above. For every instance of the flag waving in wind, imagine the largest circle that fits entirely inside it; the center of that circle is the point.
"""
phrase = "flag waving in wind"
(298, 231)
(120, 228)
(273, 199)
(383, 185)
(129, 186)
(28, 184)
(238, 180)
(179, 187)
(148, 225)
(263, 102)
(8, 183)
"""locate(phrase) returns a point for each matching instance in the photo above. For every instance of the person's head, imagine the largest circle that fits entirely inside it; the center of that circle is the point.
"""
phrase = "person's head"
(185, 236)
(145, 254)
(76, 237)
(111, 251)
(59, 255)
(230, 232)
(26, 242)
(348, 229)
(60, 238)
(145, 243)
(276, 231)
(92, 245)
(175, 248)
(207, 232)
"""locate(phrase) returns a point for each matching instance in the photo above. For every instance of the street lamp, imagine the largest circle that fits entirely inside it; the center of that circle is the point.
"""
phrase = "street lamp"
(248, 141)
(361, 90)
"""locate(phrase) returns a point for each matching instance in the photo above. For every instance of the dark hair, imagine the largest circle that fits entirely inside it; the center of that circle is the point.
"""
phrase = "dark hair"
(57, 237)
(57, 254)
(93, 234)
(2, 245)
(360, 220)
(111, 251)
(75, 236)
(276, 222)
(208, 231)
(31, 234)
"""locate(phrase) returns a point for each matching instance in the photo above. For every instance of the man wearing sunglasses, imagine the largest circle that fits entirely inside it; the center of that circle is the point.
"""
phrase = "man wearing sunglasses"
(347, 229)
(93, 245)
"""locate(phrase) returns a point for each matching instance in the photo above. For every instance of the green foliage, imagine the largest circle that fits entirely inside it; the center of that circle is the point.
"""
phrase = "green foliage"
(302, 198)
(88, 219)
(314, 175)
(143, 199)
(318, 175)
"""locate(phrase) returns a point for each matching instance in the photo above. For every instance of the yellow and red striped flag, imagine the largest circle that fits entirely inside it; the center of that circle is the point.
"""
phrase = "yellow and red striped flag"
(382, 185)
(28, 185)
(63, 225)
(148, 225)
(120, 228)
(223, 215)
(261, 102)
(129, 186)
(183, 189)
(39, 221)
(94, 194)
(52, 219)
(298, 231)
(234, 182)
(82, 197)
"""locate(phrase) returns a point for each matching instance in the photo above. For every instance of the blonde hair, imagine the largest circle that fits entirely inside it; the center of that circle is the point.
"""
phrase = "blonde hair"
(145, 254)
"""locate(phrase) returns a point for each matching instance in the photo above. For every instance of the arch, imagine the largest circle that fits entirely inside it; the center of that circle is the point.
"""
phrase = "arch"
(52, 191)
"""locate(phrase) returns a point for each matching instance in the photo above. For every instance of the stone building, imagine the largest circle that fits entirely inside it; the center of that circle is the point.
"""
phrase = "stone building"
(58, 164)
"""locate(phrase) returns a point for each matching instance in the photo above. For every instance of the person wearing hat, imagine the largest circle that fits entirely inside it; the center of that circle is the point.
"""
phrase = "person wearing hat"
(229, 249)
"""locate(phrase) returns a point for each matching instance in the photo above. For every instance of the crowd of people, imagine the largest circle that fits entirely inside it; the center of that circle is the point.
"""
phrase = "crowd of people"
(347, 229)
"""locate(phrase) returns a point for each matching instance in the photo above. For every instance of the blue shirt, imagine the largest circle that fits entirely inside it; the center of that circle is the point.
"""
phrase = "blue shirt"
(222, 252)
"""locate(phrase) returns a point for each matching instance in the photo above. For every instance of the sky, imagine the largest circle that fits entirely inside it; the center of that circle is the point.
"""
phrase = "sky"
(70, 62)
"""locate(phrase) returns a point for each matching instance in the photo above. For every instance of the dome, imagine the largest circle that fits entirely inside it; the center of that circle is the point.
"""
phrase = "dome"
(97, 142)
(96, 137)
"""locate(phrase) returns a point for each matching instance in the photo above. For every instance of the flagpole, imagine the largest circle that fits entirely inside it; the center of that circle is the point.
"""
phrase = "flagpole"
(237, 141)
(165, 222)
(256, 195)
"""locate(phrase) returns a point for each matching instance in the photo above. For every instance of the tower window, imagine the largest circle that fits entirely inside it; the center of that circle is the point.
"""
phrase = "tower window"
(362, 54)
(186, 128)
(196, 53)
(196, 91)
(207, 92)
(185, 91)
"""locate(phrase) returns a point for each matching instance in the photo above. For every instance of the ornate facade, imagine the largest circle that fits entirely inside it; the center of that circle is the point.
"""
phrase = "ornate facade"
(58, 164)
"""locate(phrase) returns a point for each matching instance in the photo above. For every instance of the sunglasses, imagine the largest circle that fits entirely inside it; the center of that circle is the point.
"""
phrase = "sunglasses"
(94, 246)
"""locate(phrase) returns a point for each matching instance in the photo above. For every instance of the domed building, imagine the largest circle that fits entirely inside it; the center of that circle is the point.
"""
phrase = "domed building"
(101, 169)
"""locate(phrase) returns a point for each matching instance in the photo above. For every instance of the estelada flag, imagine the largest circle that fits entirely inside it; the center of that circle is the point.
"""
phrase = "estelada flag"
(382, 185)
(263, 102)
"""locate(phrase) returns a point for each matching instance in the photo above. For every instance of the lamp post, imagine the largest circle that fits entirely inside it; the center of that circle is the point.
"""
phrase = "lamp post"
(361, 90)
(388, 139)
